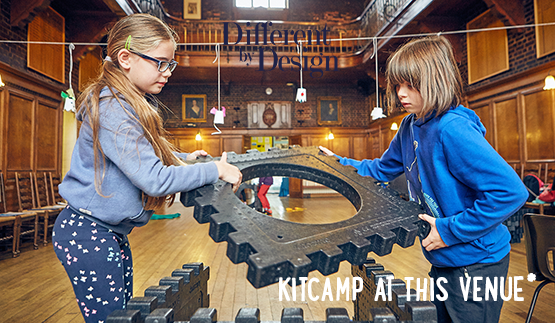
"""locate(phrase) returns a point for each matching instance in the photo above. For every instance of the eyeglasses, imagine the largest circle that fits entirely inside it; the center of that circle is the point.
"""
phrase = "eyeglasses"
(162, 65)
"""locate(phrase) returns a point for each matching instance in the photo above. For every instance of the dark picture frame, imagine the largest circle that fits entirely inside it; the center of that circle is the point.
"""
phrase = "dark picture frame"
(329, 110)
(189, 105)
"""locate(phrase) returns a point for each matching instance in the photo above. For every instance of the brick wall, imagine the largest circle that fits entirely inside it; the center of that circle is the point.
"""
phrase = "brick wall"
(15, 55)
(355, 106)
(12, 54)
(328, 10)
(522, 52)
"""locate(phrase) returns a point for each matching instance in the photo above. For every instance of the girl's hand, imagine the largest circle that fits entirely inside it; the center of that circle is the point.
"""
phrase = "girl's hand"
(229, 173)
(326, 151)
(195, 154)
(433, 241)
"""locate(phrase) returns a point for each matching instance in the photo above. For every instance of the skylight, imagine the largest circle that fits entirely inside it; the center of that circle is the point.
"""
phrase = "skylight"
(270, 4)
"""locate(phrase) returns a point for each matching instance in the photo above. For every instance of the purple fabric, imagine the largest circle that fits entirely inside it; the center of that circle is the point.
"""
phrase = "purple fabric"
(267, 180)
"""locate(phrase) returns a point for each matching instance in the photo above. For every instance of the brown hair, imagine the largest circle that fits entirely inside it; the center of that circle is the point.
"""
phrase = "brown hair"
(428, 64)
(142, 32)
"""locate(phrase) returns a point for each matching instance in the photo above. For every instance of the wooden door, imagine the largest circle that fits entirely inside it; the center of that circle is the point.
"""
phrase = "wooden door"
(295, 184)
(246, 144)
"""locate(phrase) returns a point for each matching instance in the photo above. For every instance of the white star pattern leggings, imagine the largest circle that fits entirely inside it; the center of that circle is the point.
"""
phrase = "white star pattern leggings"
(98, 262)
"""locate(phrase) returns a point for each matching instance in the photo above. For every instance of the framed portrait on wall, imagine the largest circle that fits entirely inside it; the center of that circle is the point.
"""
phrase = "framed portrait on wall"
(193, 107)
(191, 9)
(329, 110)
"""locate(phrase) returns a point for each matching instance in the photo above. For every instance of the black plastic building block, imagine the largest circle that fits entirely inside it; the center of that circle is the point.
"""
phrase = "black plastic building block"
(295, 315)
(184, 292)
(337, 315)
(248, 315)
(205, 315)
(292, 315)
(368, 307)
(274, 248)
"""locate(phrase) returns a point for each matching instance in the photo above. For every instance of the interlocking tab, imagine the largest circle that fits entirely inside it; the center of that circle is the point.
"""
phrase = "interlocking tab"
(274, 248)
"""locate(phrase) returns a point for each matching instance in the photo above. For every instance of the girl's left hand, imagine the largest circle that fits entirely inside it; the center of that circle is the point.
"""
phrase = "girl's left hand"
(433, 241)
(195, 154)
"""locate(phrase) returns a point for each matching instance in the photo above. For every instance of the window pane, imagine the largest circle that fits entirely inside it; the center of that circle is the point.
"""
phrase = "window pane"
(277, 4)
(243, 3)
(260, 3)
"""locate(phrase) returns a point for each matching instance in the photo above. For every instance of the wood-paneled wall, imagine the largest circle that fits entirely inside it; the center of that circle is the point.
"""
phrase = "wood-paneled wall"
(349, 142)
(354, 143)
(31, 121)
(519, 117)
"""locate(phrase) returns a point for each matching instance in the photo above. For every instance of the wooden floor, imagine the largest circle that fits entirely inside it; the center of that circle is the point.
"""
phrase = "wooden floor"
(35, 288)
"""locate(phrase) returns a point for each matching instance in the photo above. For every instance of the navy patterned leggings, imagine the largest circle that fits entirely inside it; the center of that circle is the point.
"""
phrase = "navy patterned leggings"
(98, 262)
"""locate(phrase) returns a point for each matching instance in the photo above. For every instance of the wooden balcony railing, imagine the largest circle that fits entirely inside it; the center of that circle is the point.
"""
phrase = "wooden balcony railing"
(341, 38)
(237, 36)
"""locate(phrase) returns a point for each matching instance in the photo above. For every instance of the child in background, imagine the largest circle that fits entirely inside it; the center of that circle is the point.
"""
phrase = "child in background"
(464, 185)
(265, 183)
(122, 166)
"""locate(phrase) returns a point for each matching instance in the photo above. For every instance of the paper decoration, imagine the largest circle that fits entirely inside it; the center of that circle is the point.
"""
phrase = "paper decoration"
(377, 113)
(69, 100)
(301, 94)
(218, 115)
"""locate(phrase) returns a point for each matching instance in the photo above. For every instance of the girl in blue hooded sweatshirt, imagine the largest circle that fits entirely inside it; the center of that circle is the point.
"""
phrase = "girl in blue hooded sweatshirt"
(122, 167)
(463, 184)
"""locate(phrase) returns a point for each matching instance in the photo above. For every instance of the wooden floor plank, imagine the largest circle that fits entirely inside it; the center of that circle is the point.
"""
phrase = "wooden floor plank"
(35, 288)
(228, 296)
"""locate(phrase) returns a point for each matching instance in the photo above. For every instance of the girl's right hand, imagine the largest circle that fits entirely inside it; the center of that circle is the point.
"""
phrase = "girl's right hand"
(326, 151)
(229, 173)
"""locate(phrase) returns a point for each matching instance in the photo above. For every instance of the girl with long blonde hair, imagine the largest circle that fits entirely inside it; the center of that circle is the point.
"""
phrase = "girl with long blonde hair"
(122, 167)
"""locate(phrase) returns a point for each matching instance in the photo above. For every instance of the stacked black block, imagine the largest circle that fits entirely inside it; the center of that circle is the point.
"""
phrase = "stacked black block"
(175, 298)
(185, 292)
(513, 223)
(333, 315)
(368, 307)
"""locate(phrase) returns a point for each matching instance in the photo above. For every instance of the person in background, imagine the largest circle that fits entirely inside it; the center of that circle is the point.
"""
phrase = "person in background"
(264, 186)
(284, 187)
(122, 167)
(463, 184)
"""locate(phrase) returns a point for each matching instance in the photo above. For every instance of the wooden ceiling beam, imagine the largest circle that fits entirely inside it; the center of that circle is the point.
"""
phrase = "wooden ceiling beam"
(23, 12)
(512, 10)
(88, 29)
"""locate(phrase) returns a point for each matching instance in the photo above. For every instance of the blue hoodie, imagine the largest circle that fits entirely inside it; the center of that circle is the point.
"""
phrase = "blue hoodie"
(131, 168)
(459, 178)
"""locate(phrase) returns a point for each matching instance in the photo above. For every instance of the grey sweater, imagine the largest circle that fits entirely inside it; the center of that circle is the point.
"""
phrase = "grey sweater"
(131, 168)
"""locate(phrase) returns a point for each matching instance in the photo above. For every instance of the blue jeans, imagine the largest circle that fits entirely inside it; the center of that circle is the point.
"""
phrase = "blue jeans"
(98, 262)
(455, 309)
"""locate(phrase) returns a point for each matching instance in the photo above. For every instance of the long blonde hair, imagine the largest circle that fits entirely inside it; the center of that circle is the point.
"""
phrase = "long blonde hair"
(147, 32)
(428, 64)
